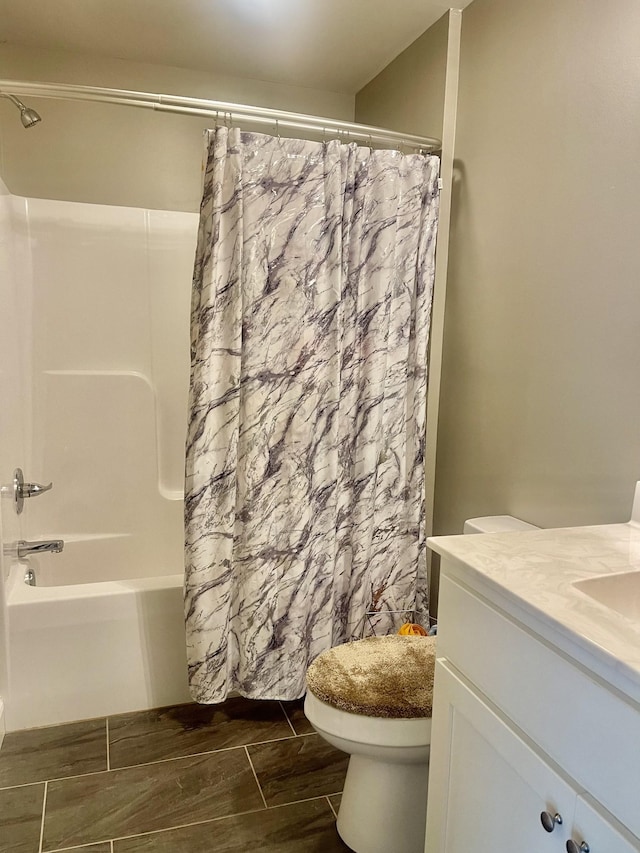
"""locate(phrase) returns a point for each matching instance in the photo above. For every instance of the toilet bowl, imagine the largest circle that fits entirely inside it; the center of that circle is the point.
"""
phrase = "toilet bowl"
(379, 712)
(372, 699)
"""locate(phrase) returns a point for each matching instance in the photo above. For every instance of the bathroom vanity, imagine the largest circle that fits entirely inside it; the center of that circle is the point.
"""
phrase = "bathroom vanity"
(536, 724)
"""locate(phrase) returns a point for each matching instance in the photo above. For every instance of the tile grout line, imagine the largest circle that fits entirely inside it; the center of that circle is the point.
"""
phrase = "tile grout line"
(44, 807)
(108, 755)
(288, 720)
(198, 754)
(169, 828)
(304, 800)
(160, 761)
(335, 814)
(25, 784)
(255, 776)
(196, 823)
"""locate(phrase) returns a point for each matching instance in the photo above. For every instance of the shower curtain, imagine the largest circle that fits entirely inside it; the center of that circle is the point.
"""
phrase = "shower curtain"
(304, 504)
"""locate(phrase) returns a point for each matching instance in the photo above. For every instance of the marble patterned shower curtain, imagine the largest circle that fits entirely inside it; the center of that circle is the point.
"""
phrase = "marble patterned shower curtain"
(305, 451)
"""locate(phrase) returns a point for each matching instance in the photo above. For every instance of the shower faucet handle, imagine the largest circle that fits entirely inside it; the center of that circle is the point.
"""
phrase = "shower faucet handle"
(32, 490)
(22, 490)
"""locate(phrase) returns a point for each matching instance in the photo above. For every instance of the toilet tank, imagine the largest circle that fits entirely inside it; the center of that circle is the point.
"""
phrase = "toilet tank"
(496, 524)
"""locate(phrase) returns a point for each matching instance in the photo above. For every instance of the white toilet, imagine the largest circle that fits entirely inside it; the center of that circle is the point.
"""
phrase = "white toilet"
(372, 699)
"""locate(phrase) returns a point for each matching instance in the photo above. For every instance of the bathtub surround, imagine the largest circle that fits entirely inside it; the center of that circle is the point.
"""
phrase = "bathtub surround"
(95, 373)
(305, 448)
(106, 293)
(12, 410)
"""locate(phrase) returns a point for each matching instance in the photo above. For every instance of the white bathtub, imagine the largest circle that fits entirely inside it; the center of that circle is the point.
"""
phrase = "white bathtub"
(88, 650)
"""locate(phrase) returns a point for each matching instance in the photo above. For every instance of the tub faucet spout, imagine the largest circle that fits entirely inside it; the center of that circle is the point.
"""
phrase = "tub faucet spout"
(24, 549)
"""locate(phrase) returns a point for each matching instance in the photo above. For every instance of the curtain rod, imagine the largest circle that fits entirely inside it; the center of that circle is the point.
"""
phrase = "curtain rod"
(222, 111)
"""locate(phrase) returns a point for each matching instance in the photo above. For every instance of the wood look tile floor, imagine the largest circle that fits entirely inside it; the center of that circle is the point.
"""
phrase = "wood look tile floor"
(244, 775)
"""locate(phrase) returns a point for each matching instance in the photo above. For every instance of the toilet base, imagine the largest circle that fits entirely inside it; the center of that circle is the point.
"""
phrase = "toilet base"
(384, 806)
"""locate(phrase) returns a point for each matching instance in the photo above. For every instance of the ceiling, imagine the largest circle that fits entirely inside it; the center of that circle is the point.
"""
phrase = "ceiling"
(336, 45)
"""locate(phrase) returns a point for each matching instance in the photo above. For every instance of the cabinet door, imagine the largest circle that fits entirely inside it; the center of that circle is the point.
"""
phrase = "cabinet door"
(487, 786)
(603, 835)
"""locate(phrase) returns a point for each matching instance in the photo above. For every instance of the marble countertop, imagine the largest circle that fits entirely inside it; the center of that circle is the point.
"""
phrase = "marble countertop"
(531, 574)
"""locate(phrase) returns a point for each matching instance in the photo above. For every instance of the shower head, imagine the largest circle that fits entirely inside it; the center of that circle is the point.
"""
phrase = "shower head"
(28, 117)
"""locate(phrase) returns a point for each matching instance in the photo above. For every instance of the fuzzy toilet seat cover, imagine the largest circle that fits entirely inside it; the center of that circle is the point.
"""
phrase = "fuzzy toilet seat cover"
(378, 677)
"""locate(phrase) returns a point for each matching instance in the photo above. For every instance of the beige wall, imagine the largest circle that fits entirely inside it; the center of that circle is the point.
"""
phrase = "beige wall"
(408, 95)
(540, 414)
(120, 155)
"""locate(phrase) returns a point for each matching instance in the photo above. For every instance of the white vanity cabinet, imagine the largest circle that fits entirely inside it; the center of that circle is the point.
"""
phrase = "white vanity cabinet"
(520, 729)
(602, 834)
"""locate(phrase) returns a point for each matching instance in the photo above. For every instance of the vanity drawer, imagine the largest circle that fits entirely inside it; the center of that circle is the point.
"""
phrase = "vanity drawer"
(588, 730)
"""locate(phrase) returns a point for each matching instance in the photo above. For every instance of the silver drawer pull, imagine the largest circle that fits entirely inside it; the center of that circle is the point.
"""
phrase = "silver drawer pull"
(572, 847)
(550, 821)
